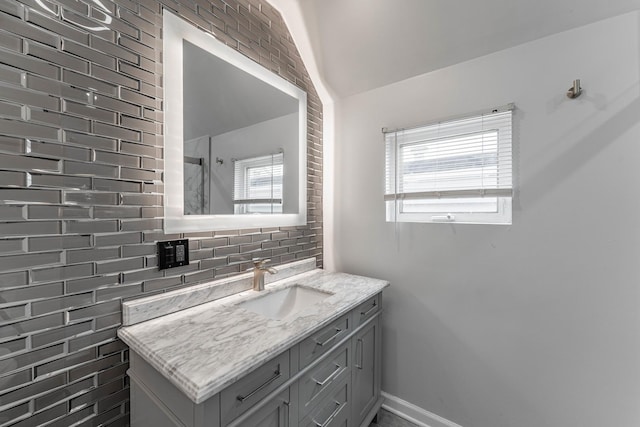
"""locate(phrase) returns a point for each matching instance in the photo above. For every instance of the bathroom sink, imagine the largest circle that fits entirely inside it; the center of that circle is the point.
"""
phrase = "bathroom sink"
(284, 302)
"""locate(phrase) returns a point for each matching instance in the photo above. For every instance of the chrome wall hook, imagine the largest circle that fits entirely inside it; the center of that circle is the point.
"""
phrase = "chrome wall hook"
(575, 90)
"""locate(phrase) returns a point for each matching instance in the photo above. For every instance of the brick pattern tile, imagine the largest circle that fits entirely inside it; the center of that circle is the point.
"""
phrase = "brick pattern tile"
(81, 193)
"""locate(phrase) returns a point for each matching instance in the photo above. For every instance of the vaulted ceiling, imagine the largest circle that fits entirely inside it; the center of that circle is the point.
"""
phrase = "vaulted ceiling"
(359, 45)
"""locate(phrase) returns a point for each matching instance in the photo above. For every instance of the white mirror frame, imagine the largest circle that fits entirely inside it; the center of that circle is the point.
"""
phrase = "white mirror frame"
(175, 30)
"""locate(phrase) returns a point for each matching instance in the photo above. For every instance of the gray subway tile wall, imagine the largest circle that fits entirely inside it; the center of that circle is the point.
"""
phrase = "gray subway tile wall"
(81, 193)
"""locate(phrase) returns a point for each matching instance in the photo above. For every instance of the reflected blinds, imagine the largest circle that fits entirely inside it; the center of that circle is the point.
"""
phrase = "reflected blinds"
(258, 184)
(464, 158)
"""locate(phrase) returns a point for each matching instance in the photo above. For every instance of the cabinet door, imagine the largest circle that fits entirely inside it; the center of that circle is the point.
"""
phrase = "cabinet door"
(275, 413)
(365, 370)
(147, 410)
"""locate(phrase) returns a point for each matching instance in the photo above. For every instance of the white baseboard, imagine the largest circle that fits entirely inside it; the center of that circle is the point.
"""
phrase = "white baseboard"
(413, 413)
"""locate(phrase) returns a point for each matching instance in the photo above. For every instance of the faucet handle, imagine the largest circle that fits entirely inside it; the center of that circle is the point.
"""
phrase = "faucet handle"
(259, 263)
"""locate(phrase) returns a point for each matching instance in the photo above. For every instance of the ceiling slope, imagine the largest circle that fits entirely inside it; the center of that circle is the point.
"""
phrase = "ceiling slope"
(363, 44)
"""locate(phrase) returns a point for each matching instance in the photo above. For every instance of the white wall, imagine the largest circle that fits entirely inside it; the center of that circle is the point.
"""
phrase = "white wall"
(535, 324)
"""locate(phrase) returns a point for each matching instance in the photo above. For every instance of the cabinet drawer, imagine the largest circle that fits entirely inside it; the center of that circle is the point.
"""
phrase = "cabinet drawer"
(274, 413)
(331, 412)
(366, 310)
(247, 391)
(323, 340)
(315, 385)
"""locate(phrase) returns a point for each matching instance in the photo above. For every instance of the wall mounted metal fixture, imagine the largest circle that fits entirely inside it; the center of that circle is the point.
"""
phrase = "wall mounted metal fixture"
(575, 90)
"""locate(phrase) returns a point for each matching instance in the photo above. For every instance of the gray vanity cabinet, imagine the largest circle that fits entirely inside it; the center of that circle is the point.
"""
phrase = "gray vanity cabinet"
(365, 374)
(330, 378)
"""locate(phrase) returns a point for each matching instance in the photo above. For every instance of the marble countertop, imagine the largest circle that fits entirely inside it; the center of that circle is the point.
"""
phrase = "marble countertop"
(205, 348)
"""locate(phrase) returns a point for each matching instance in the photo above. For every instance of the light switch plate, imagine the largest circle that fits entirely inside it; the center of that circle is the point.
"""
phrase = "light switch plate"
(173, 253)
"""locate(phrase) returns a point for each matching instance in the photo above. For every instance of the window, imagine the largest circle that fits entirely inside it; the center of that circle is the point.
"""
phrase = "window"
(258, 185)
(452, 171)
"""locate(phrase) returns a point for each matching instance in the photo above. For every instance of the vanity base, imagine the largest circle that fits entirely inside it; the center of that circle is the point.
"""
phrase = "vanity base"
(374, 414)
(330, 378)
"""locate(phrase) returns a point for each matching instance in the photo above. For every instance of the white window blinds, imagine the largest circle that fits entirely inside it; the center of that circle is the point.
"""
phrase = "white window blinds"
(453, 168)
(258, 184)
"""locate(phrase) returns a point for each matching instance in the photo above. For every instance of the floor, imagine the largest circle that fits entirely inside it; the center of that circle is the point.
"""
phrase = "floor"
(387, 419)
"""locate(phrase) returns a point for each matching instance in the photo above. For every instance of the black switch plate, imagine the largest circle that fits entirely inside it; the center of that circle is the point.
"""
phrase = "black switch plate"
(173, 253)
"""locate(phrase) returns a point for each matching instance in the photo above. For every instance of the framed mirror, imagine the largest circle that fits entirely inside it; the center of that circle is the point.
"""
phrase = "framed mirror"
(235, 137)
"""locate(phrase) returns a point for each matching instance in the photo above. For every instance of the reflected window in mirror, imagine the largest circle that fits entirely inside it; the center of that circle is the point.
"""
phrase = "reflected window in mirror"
(258, 184)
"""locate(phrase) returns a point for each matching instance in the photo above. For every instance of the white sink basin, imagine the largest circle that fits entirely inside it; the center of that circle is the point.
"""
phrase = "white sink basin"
(284, 302)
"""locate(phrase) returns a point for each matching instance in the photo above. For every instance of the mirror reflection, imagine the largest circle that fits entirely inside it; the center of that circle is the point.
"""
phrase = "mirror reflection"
(235, 137)
(241, 140)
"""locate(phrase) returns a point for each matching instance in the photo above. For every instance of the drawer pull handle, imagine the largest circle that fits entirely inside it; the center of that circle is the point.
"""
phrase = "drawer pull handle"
(360, 362)
(276, 375)
(330, 377)
(373, 307)
(331, 417)
(328, 340)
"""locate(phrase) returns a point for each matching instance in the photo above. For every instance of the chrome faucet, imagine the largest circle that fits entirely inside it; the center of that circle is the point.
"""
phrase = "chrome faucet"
(259, 268)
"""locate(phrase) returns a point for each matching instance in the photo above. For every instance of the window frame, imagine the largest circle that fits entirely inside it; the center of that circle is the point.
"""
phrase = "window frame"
(395, 200)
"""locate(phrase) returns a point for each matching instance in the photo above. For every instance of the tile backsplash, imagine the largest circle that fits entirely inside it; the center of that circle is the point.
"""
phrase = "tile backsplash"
(81, 193)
